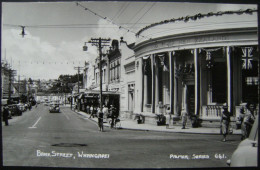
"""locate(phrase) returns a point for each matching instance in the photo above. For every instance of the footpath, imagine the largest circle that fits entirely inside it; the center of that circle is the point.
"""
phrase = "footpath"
(132, 125)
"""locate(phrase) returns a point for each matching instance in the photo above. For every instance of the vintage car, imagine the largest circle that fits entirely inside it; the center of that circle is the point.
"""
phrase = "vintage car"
(22, 107)
(54, 108)
(246, 153)
(14, 110)
(46, 103)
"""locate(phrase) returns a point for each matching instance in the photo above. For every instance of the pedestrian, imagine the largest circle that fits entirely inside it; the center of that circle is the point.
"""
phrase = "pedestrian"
(184, 116)
(113, 115)
(91, 111)
(100, 120)
(240, 122)
(30, 106)
(225, 120)
(5, 115)
(105, 112)
(248, 122)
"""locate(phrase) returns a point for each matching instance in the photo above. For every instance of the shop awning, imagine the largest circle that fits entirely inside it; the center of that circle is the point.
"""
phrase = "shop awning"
(80, 96)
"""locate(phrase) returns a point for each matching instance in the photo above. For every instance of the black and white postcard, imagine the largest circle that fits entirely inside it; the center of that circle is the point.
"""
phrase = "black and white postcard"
(129, 84)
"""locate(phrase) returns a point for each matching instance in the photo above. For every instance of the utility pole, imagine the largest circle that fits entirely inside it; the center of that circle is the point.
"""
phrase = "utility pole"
(11, 74)
(78, 68)
(100, 43)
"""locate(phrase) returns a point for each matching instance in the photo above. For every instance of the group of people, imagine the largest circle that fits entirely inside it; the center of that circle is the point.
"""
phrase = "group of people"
(246, 120)
(105, 113)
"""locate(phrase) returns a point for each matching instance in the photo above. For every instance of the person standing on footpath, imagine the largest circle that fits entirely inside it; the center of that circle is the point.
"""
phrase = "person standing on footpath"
(184, 116)
(100, 120)
(5, 115)
(225, 120)
(91, 111)
(105, 112)
(240, 121)
(113, 115)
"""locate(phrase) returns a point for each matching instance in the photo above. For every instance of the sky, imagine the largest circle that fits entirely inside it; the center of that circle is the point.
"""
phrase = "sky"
(57, 31)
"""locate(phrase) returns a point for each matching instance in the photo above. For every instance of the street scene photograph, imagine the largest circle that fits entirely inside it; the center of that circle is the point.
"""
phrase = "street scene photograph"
(129, 84)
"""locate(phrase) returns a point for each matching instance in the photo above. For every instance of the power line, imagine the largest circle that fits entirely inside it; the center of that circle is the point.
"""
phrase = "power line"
(144, 14)
(136, 15)
(120, 11)
(109, 20)
(72, 26)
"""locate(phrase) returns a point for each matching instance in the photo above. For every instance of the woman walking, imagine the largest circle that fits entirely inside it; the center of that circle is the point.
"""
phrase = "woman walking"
(225, 120)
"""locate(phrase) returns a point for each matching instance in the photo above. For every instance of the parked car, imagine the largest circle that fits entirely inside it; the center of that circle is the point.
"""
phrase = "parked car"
(54, 108)
(22, 107)
(14, 110)
(246, 152)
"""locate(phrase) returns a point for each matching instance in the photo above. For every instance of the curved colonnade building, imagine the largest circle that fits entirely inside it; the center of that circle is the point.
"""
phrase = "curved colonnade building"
(198, 64)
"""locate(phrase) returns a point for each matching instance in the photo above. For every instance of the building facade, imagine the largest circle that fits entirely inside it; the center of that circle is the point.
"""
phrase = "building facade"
(198, 69)
(118, 68)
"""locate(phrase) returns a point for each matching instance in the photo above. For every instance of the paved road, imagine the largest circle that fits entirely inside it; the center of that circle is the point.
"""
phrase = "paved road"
(66, 139)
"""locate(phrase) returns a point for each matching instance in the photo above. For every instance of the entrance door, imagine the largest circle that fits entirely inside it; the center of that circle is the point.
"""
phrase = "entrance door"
(191, 99)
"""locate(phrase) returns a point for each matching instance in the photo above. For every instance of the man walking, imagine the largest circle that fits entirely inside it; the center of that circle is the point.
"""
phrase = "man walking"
(113, 115)
(5, 115)
(100, 120)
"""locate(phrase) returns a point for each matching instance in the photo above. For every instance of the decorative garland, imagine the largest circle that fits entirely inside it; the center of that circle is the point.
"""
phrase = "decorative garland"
(197, 16)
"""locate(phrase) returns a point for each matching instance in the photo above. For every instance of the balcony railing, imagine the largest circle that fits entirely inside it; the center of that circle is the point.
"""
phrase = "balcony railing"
(212, 111)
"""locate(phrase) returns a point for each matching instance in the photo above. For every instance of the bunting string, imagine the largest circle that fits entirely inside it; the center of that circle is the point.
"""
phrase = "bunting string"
(46, 62)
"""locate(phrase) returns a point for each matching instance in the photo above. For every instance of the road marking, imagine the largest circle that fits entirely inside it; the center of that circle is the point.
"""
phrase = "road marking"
(67, 116)
(36, 123)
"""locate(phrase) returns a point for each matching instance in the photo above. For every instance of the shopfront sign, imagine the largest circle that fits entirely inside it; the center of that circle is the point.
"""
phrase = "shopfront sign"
(113, 87)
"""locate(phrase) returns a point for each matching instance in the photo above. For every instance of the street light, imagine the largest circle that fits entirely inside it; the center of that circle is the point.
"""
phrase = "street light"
(85, 47)
(100, 43)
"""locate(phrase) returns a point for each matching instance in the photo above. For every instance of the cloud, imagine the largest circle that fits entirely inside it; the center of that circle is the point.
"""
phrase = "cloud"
(35, 58)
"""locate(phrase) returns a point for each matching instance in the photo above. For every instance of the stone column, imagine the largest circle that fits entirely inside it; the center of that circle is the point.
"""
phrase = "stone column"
(229, 79)
(153, 82)
(171, 81)
(175, 82)
(197, 82)
(184, 98)
(156, 86)
(138, 86)
(144, 92)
